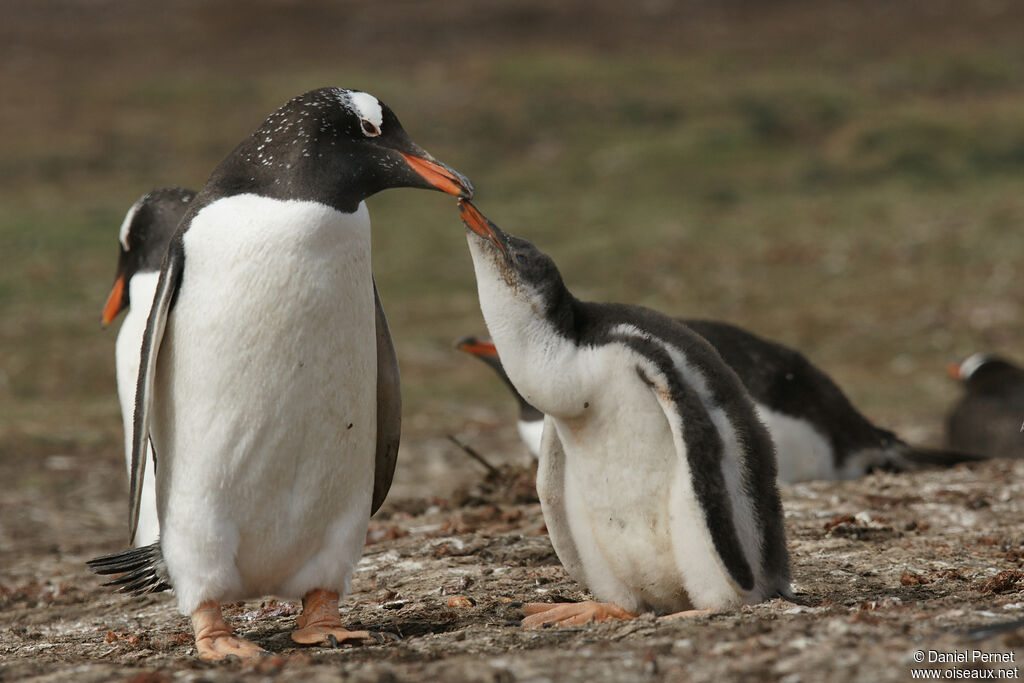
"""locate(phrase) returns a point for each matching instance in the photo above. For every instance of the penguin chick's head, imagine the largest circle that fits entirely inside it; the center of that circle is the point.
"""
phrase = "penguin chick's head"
(336, 147)
(145, 233)
(513, 270)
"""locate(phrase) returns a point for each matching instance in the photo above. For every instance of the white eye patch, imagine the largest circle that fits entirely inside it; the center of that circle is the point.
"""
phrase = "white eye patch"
(127, 223)
(367, 107)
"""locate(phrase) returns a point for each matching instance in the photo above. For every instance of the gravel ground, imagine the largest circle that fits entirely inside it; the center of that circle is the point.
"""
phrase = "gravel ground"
(889, 565)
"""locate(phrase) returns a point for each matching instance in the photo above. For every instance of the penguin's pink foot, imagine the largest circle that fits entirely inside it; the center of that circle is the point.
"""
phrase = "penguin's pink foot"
(319, 623)
(688, 613)
(540, 614)
(215, 641)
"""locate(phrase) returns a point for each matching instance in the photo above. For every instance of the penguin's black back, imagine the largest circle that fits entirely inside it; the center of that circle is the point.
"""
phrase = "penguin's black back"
(783, 380)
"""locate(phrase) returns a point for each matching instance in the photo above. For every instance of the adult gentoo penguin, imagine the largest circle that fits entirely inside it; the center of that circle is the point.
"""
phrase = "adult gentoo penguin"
(144, 235)
(274, 407)
(989, 417)
(656, 477)
(531, 420)
(817, 431)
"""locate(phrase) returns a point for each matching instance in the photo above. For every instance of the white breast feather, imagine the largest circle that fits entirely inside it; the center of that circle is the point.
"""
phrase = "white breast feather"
(142, 288)
(265, 402)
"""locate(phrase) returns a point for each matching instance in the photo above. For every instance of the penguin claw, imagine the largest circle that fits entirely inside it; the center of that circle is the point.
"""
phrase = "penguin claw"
(333, 636)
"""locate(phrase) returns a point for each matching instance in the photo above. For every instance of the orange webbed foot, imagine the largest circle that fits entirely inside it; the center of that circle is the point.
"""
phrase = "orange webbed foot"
(540, 614)
(319, 623)
(215, 640)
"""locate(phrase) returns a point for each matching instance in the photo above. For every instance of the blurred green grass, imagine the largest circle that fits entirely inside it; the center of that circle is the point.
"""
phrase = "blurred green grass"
(865, 208)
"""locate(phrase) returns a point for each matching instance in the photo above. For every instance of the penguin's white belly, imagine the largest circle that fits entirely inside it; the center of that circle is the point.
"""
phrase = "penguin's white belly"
(619, 493)
(127, 353)
(801, 451)
(265, 402)
(619, 512)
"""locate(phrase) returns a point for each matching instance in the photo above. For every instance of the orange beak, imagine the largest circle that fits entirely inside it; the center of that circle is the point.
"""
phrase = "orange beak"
(478, 223)
(113, 305)
(440, 176)
(476, 347)
(953, 370)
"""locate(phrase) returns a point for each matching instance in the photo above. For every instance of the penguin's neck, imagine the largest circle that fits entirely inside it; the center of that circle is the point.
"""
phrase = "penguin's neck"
(549, 370)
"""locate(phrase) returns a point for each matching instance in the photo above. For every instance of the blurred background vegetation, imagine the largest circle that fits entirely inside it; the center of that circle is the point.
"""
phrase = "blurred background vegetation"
(844, 177)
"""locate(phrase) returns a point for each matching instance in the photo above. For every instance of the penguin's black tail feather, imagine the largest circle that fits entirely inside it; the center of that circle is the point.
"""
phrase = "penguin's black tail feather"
(789, 595)
(917, 457)
(142, 570)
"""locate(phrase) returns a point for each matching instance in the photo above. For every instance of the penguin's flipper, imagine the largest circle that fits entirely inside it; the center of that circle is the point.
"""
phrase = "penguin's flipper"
(389, 408)
(699, 444)
(166, 289)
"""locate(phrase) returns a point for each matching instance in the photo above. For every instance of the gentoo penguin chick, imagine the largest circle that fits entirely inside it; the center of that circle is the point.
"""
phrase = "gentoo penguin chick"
(989, 418)
(818, 433)
(274, 409)
(144, 235)
(531, 420)
(656, 477)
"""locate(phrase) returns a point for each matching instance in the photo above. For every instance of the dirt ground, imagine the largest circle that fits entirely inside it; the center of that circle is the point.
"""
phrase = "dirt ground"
(889, 565)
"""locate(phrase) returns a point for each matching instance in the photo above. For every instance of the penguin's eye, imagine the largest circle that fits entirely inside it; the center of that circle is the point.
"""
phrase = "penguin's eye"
(522, 259)
(369, 130)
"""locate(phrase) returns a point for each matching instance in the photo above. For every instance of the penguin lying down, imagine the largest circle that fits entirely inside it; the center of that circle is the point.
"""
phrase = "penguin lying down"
(274, 411)
(656, 477)
(818, 433)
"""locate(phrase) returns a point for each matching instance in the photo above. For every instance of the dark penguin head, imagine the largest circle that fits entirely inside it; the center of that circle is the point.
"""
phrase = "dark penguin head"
(145, 234)
(985, 373)
(515, 280)
(332, 146)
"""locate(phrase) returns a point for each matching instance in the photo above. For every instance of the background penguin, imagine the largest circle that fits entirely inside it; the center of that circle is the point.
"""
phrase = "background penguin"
(531, 420)
(274, 446)
(144, 235)
(989, 418)
(656, 478)
(818, 433)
